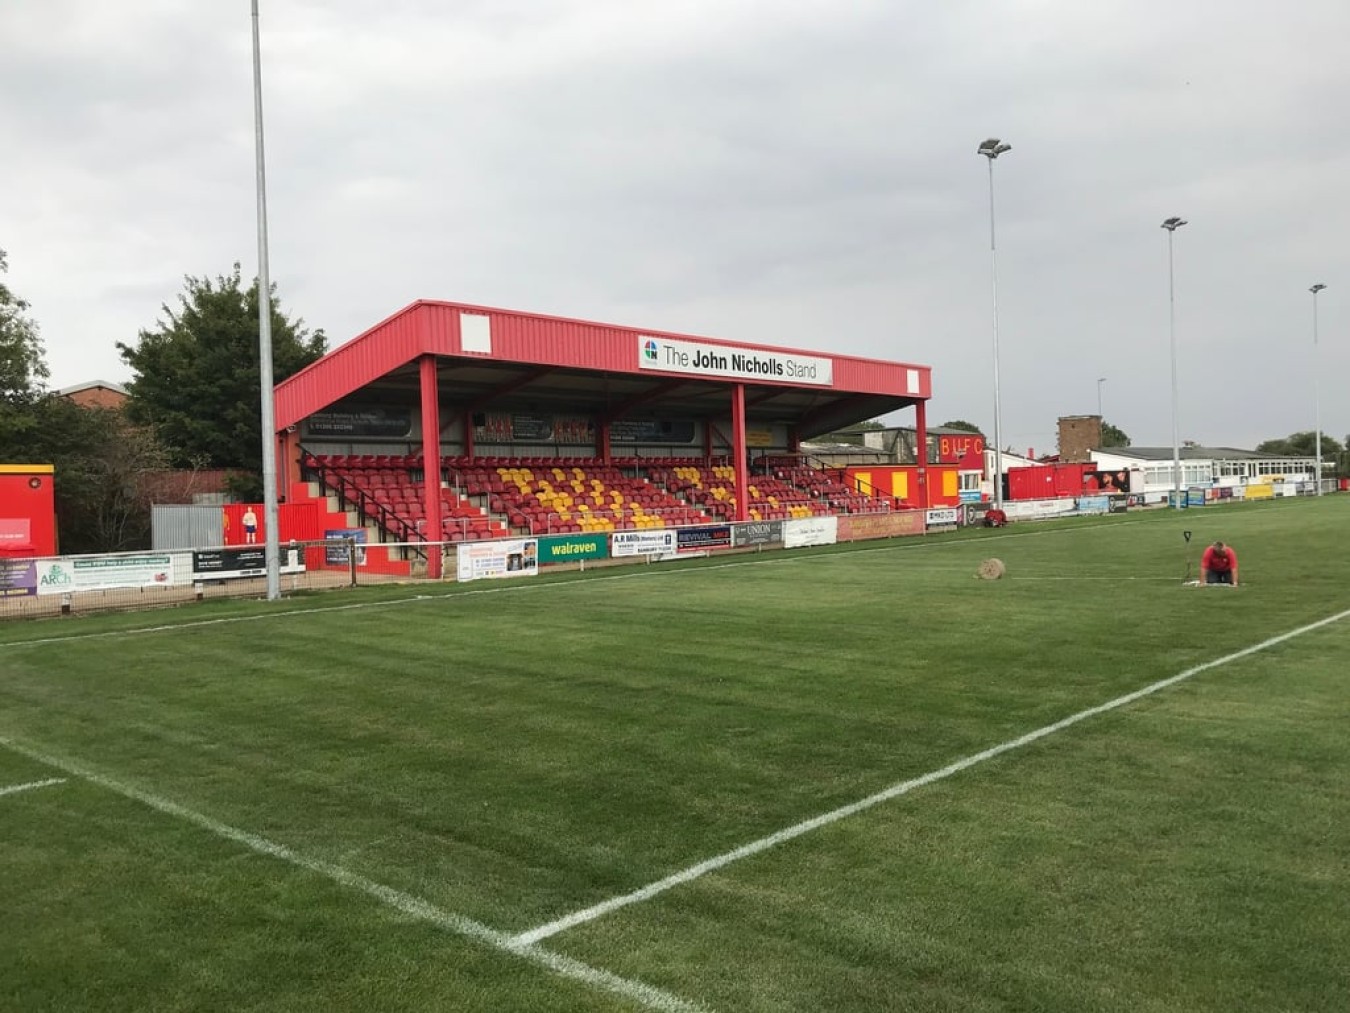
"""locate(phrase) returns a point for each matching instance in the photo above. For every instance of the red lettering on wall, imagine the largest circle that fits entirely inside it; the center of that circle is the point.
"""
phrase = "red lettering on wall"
(952, 448)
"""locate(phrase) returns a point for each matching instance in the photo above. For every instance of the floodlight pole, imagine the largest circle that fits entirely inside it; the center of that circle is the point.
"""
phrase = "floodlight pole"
(1171, 225)
(1317, 402)
(271, 515)
(991, 149)
(1100, 380)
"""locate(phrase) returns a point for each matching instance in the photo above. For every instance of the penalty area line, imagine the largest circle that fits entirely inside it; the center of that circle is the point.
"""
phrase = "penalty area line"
(694, 872)
(648, 996)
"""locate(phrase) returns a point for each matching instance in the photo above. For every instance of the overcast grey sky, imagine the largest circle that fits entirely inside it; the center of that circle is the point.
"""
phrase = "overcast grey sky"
(792, 172)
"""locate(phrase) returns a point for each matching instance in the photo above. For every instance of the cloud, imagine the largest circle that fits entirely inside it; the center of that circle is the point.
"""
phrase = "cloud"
(802, 173)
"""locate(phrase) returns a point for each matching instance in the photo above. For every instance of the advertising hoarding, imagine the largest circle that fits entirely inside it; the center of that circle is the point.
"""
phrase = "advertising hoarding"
(517, 557)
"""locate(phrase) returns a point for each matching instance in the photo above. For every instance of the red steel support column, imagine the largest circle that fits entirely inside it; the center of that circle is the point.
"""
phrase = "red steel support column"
(431, 461)
(468, 435)
(604, 442)
(738, 449)
(921, 451)
(288, 463)
(707, 441)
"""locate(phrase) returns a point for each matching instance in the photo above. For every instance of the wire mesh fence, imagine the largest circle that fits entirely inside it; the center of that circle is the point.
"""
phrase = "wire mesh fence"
(79, 585)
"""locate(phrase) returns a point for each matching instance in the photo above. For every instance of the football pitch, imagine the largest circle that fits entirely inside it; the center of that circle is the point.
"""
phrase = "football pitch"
(820, 780)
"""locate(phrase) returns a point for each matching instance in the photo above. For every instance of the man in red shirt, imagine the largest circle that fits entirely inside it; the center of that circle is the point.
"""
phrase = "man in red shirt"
(1219, 565)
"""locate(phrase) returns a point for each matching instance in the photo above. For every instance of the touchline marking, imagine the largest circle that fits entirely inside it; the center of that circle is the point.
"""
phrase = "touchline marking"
(415, 907)
(14, 789)
(894, 791)
(891, 545)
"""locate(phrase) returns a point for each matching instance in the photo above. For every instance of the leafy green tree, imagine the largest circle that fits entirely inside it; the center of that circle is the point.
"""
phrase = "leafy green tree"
(1113, 437)
(196, 374)
(1302, 444)
(969, 427)
(23, 369)
(23, 372)
(101, 460)
(102, 466)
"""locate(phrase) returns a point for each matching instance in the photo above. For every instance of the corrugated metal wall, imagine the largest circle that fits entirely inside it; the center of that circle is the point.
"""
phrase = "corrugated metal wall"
(175, 526)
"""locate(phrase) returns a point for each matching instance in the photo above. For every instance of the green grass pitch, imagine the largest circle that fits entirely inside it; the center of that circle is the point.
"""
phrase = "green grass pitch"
(363, 800)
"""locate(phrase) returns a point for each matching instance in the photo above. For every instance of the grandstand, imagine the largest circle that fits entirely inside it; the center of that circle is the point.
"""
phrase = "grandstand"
(549, 425)
(491, 497)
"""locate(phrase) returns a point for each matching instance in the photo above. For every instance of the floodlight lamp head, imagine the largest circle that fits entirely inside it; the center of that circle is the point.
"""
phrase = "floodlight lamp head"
(1317, 288)
(992, 148)
(1173, 223)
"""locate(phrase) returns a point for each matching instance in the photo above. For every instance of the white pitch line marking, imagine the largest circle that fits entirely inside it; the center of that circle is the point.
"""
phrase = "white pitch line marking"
(894, 791)
(14, 789)
(899, 543)
(415, 907)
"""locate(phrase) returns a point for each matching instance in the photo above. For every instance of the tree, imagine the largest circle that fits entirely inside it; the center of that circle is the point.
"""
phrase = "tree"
(101, 460)
(102, 466)
(196, 375)
(1113, 437)
(22, 366)
(23, 372)
(1302, 444)
(969, 427)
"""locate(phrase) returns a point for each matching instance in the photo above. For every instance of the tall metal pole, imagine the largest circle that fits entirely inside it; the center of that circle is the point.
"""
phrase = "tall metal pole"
(1100, 380)
(1171, 225)
(271, 515)
(1317, 404)
(991, 149)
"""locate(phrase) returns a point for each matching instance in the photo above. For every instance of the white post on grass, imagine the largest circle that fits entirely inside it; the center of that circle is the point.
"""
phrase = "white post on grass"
(1171, 225)
(1317, 405)
(271, 514)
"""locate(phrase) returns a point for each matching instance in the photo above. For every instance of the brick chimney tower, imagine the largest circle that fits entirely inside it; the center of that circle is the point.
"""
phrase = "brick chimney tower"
(1079, 434)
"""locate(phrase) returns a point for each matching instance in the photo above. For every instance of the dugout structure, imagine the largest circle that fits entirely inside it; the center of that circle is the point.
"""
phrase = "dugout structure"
(449, 379)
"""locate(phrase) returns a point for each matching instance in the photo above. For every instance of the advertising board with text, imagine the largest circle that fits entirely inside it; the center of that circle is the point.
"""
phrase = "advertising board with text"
(708, 536)
(233, 564)
(860, 527)
(572, 548)
(101, 573)
(518, 557)
(336, 555)
(18, 578)
(805, 531)
(757, 533)
(660, 543)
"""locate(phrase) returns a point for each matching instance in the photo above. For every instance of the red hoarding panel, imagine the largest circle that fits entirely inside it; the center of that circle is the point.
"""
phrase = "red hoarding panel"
(27, 510)
(244, 524)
